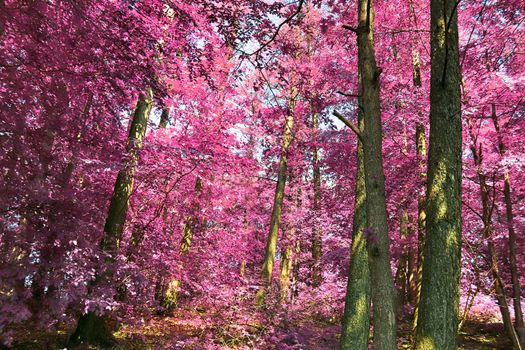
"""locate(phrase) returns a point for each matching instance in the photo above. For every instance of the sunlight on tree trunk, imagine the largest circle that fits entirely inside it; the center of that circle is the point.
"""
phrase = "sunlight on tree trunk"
(356, 317)
(421, 217)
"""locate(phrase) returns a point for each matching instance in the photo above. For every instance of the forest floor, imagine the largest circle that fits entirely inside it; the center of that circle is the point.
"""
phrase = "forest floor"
(195, 330)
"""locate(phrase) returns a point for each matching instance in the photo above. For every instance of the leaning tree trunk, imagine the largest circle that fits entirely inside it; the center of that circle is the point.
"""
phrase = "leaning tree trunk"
(376, 214)
(271, 242)
(516, 288)
(356, 318)
(439, 304)
(91, 327)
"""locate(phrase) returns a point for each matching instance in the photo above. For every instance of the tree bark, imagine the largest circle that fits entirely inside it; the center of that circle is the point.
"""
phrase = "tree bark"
(91, 327)
(376, 214)
(356, 317)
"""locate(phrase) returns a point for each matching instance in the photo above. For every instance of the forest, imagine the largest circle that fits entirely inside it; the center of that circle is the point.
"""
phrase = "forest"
(262, 174)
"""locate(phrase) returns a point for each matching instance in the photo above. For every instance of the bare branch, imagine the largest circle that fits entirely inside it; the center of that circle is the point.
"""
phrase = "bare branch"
(349, 124)
(352, 29)
(346, 94)
(299, 7)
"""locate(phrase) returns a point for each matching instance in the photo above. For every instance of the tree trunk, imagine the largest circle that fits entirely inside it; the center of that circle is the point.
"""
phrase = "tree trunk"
(439, 305)
(421, 217)
(92, 328)
(294, 287)
(488, 231)
(356, 318)
(516, 288)
(271, 243)
(284, 272)
(317, 231)
(403, 271)
(376, 214)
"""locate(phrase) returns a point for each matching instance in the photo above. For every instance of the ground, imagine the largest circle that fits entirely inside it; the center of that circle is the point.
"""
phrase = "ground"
(197, 330)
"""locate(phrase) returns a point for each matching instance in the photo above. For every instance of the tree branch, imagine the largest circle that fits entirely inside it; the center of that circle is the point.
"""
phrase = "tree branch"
(346, 94)
(349, 124)
(299, 7)
(352, 29)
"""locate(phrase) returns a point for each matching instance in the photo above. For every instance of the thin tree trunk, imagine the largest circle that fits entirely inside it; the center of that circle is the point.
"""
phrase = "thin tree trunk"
(271, 243)
(295, 271)
(421, 217)
(516, 288)
(284, 272)
(488, 231)
(356, 317)
(376, 214)
(437, 322)
(403, 272)
(92, 328)
(317, 231)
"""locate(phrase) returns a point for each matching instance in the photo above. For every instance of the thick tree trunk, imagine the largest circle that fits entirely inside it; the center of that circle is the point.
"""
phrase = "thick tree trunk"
(516, 288)
(376, 214)
(356, 318)
(92, 328)
(271, 242)
(439, 304)
(317, 231)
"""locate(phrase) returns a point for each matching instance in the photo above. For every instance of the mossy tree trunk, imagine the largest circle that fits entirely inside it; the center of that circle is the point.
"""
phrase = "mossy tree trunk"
(377, 228)
(356, 317)
(91, 327)
(439, 305)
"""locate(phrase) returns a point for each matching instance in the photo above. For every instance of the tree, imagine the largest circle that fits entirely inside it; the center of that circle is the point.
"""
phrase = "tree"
(376, 215)
(356, 317)
(438, 310)
(92, 328)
